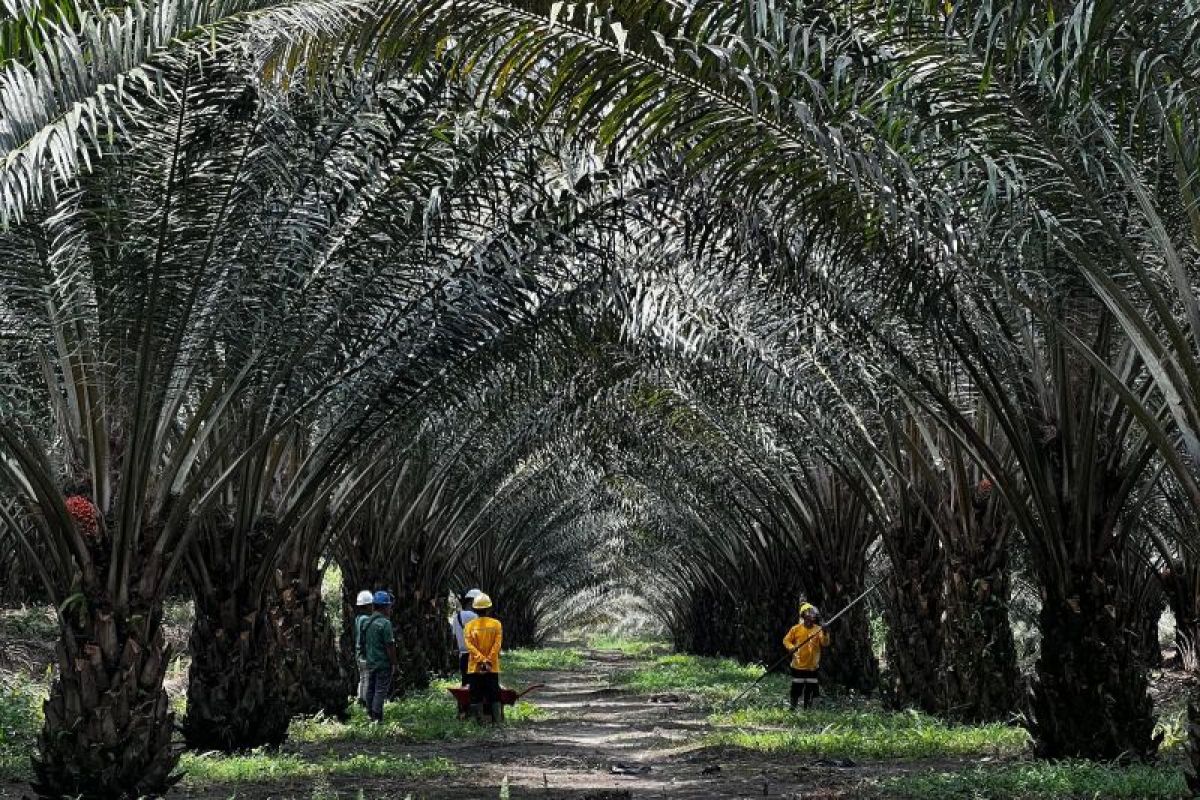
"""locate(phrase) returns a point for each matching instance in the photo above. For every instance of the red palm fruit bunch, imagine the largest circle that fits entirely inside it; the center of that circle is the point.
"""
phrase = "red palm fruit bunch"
(85, 514)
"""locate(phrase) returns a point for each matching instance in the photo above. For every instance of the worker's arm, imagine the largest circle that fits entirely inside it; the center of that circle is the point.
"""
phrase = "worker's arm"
(789, 641)
(494, 651)
(389, 643)
(472, 639)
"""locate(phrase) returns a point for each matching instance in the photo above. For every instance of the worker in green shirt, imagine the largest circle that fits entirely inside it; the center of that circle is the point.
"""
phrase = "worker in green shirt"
(379, 646)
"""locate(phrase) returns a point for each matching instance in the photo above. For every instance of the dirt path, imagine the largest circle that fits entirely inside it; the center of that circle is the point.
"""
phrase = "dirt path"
(603, 744)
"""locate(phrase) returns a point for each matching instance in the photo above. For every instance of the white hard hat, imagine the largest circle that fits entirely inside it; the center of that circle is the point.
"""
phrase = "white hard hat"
(472, 594)
(365, 598)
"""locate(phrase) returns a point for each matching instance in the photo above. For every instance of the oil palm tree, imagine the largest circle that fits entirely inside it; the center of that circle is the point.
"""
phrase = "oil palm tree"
(851, 135)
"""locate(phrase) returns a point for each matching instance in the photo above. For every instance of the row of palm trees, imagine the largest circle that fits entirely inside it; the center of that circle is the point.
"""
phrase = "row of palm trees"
(235, 341)
(774, 294)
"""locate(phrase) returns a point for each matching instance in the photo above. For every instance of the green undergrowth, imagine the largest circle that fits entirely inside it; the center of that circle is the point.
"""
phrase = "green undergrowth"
(40, 623)
(29, 622)
(1040, 781)
(708, 681)
(425, 716)
(518, 662)
(20, 719)
(263, 767)
(1172, 725)
(858, 730)
(632, 647)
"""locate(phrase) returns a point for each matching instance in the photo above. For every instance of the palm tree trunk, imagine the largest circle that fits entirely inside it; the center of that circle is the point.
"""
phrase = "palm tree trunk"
(850, 661)
(914, 616)
(775, 617)
(520, 625)
(980, 678)
(108, 724)
(422, 636)
(772, 608)
(312, 672)
(1090, 699)
(235, 695)
(236, 699)
(707, 628)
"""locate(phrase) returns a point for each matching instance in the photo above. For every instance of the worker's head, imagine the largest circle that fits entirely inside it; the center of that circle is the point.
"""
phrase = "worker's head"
(468, 598)
(809, 613)
(482, 605)
(382, 602)
(364, 601)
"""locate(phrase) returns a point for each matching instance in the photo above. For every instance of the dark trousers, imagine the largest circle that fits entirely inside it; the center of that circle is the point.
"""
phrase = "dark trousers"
(485, 687)
(379, 686)
(806, 685)
(464, 661)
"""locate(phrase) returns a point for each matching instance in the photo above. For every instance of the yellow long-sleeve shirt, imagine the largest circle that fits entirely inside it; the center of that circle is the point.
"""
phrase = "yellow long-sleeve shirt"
(483, 636)
(808, 654)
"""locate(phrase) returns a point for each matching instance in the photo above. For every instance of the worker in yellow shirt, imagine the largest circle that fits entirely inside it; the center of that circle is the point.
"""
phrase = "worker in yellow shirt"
(805, 640)
(483, 636)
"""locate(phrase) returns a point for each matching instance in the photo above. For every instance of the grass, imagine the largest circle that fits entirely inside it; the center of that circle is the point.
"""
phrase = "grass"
(931, 741)
(859, 730)
(634, 648)
(710, 681)
(426, 716)
(540, 660)
(849, 729)
(20, 720)
(263, 767)
(1040, 781)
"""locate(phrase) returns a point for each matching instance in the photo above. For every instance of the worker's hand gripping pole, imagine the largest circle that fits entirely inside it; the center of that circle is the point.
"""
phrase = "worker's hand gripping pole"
(792, 652)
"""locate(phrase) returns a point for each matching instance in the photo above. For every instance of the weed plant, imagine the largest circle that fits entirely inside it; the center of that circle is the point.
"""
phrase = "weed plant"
(1173, 727)
(1041, 781)
(20, 719)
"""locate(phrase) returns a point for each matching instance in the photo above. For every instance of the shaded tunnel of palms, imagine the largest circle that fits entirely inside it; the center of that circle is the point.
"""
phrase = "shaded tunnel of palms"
(731, 304)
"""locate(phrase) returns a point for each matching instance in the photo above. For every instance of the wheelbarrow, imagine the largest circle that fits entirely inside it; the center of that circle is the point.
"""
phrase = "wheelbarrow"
(508, 697)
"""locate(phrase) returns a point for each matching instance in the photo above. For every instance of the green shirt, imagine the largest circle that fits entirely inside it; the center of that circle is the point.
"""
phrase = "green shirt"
(377, 633)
